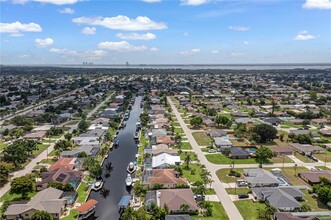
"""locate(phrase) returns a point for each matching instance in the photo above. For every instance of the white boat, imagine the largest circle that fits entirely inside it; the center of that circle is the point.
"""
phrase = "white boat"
(136, 135)
(97, 185)
(131, 168)
(128, 180)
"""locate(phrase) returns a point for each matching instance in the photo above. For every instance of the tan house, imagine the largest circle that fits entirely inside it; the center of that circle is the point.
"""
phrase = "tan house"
(48, 200)
(166, 177)
(165, 140)
(37, 135)
(175, 198)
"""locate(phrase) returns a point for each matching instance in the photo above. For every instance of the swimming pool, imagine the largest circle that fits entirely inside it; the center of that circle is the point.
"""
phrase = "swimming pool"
(282, 182)
(252, 150)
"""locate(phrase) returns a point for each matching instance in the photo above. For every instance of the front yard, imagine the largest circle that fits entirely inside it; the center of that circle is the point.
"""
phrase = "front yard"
(248, 209)
(193, 173)
(202, 139)
(221, 159)
(218, 213)
(223, 176)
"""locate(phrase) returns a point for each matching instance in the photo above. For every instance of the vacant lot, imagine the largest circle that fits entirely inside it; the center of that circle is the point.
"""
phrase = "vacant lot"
(218, 213)
(225, 178)
(248, 209)
(201, 138)
(221, 159)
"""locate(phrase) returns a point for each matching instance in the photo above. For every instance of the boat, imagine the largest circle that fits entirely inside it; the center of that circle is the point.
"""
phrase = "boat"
(136, 135)
(131, 168)
(128, 180)
(97, 185)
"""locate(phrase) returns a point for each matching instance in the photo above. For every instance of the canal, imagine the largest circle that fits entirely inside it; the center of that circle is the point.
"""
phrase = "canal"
(119, 157)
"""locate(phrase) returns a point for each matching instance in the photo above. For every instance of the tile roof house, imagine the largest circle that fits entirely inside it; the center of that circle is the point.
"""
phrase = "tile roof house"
(36, 135)
(282, 198)
(165, 140)
(282, 150)
(48, 200)
(62, 175)
(216, 133)
(167, 177)
(63, 162)
(257, 177)
(87, 209)
(313, 177)
(165, 160)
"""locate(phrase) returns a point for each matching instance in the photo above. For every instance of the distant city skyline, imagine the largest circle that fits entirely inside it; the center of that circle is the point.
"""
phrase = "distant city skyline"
(165, 32)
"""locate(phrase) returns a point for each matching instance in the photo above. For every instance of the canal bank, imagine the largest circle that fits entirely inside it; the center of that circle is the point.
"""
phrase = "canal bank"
(119, 158)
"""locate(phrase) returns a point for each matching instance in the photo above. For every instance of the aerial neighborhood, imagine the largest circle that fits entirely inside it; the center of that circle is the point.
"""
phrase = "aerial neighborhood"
(173, 144)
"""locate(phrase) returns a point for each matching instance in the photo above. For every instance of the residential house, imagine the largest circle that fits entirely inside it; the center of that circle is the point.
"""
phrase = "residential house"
(169, 178)
(280, 151)
(222, 143)
(238, 153)
(35, 135)
(87, 209)
(257, 177)
(273, 121)
(165, 160)
(313, 177)
(165, 140)
(306, 148)
(216, 133)
(63, 162)
(49, 200)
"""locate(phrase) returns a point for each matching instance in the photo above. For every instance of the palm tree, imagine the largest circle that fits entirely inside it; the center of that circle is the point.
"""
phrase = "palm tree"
(187, 160)
(104, 192)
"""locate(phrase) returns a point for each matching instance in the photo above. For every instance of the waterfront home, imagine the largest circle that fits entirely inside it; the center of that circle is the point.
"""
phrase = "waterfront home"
(165, 140)
(165, 160)
(62, 175)
(257, 177)
(63, 162)
(283, 198)
(169, 178)
(49, 200)
(87, 209)
(90, 150)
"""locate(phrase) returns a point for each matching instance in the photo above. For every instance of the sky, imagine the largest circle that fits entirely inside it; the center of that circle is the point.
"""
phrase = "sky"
(165, 31)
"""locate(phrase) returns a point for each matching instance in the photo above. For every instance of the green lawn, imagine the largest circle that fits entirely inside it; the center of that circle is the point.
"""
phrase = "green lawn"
(2, 145)
(289, 173)
(221, 159)
(47, 141)
(303, 158)
(186, 146)
(210, 191)
(48, 161)
(222, 175)
(279, 159)
(82, 194)
(237, 191)
(201, 138)
(176, 124)
(323, 157)
(187, 173)
(15, 197)
(248, 209)
(187, 121)
(73, 122)
(194, 157)
(41, 148)
(315, 204)
(72, 216)
(179, 131)
(218, 213)
(322, 167)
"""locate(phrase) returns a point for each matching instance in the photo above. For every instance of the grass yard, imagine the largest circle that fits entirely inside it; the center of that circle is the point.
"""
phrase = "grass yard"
(222, 175)
(193, 156)
(210, 191)
(201, 138)
(322, 167)
(248, 209)
(73, 122)
(221, 159)
(176, 124)
(82, 193)
(72, 216)
(186, 146)
(289, 173)
(187, 121)
(48, 161)
(47, 141)
(179, 131)
(315, 204)
(41, 148)
(2, 145)
(237, 143)
(303, 158)
(237, 191)
(323, 157)
(15, 197)
(218, 213)
(279, 159)
(192, 177)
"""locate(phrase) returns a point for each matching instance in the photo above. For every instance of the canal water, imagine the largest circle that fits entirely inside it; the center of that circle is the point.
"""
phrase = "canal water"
(119, 157)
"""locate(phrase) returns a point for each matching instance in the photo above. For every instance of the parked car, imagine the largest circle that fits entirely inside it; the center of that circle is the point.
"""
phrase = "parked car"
(243, 196)
(199, 197)
(212, 151)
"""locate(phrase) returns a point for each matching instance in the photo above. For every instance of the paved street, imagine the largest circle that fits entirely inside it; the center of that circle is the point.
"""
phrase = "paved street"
(222, 195)
(28, 168)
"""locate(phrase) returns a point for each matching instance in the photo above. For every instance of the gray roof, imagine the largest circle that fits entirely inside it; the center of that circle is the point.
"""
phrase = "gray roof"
(222, 142)
(306, 148)
(47, 200)
(238, 151)
(279, 197)
(177, 217)
(259, 176)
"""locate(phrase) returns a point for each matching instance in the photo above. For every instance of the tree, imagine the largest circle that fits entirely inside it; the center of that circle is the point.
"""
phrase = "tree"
(221, 120)
(266, 132)
(83, 126)
(54, 131)
(61, 186)
(263, 155)
(184, 208)
(303, 139)
(95, 170)
(21, 185)
(41, 215)
(62, 145)
(68, 136)
(5, 169)
(187, 160)
(208, 207)
(139, 189)
(196, 121)
(18, 152)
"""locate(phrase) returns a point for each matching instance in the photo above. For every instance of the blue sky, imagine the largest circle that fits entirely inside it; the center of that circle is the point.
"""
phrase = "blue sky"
(165, 32)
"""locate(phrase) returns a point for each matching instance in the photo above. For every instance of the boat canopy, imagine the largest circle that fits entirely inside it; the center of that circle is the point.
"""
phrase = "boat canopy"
(124, 202)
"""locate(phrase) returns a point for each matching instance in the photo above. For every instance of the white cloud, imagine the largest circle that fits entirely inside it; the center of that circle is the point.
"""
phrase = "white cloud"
(67, 11)
(44, 42)
(190, 52)
(215, 51)
(84, 54)
(237, 54)
(246, 42)
(121, 46)
(15, 29)
(185, 34)
(136, 36)
(239, 28)
(317, 4)
(304, 35)
(23, 56)
(88, 30)
(194, 2)
(122, 22)
(151, 1)
(154, 49)
(55, 2)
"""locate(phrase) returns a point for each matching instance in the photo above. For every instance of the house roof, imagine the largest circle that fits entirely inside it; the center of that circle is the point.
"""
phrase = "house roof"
(165, 140)
(174, 198)
(306, 148)
(165, 176)
(314, 176)
(257, 175)
(165, 159)
(47, 200)
(85, 207)
(281, 149)
(216, 132)
(62, 175)
(222, 141)
(63, 162)
(238, 151)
